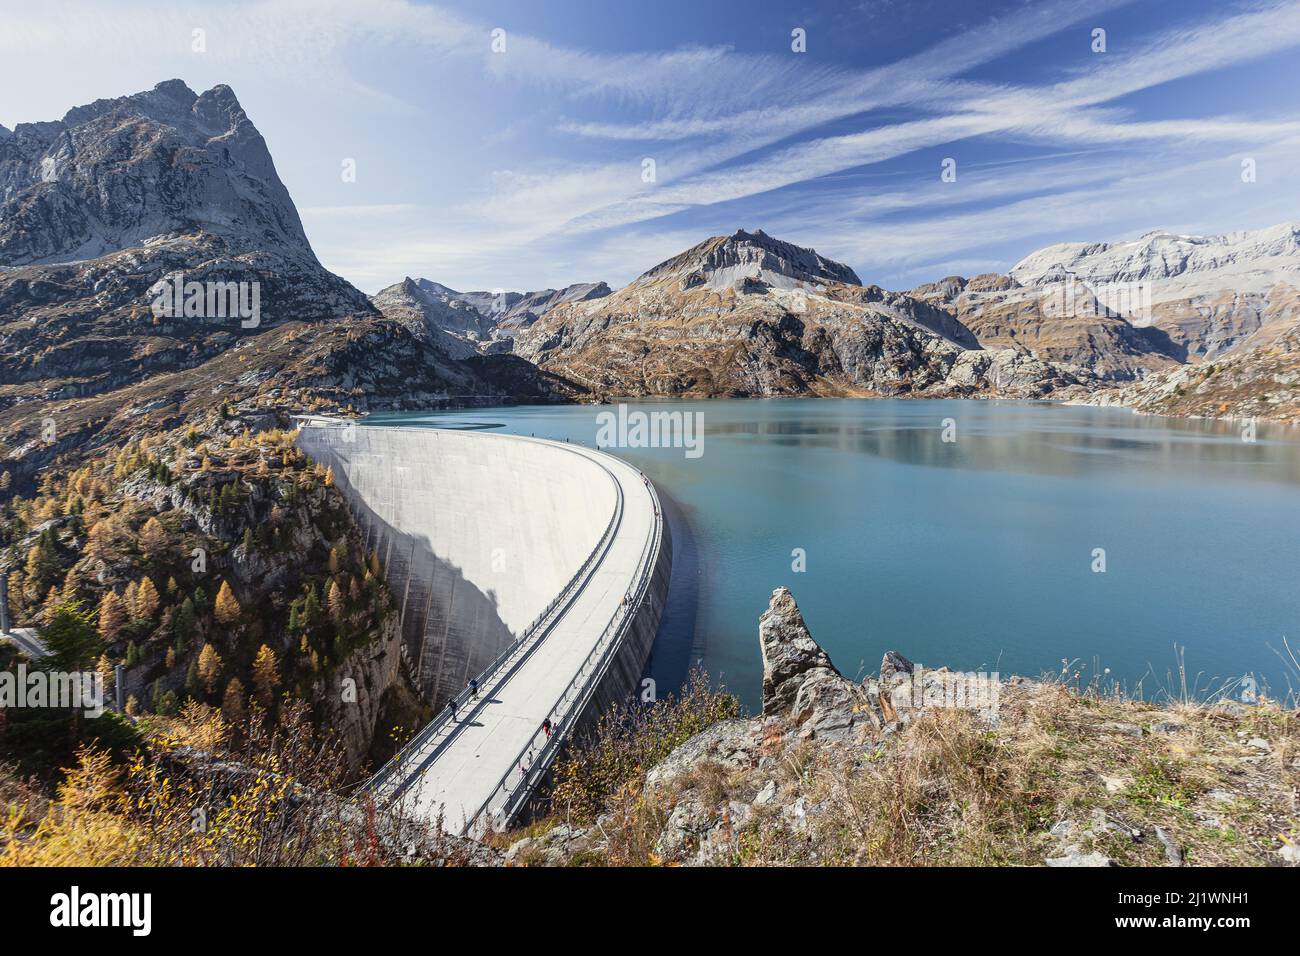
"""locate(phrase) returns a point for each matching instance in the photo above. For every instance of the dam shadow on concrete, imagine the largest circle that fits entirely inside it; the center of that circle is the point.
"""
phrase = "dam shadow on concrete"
(451, 629)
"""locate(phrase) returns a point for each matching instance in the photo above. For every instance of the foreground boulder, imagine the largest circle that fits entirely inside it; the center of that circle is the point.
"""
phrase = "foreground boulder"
(799, 680)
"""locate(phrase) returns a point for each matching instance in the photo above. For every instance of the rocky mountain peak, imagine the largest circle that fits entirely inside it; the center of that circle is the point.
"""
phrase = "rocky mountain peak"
(119, 172)
(749, 258)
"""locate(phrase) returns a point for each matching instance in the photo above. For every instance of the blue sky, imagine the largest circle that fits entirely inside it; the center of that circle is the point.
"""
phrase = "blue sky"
(523, 169)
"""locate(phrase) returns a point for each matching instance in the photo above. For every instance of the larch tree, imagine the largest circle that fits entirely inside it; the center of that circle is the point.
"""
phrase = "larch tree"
(227, 609)
(153, 539)
(104, 667)
(209, 667)
(112, 615)
(233, 705)
(266, 675)
(334, 601)
(146, 599)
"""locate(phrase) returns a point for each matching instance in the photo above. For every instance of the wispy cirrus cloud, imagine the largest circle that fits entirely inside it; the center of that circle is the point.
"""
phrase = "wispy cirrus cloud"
(525, 167)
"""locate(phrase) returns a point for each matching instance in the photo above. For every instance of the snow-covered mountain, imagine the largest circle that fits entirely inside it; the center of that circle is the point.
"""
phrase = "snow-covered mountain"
(1128, 309)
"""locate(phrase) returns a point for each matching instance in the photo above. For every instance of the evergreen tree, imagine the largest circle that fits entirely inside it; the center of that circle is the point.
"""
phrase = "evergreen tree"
(310, 608)
(71, 640)
(183, 624)
(43, 559)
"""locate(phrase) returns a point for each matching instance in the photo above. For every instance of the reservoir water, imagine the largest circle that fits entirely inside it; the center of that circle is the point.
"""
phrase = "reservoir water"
(982, 552)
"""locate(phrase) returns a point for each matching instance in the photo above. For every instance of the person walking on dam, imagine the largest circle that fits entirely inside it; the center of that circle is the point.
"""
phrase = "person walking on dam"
(546, 727)
(473, 688)
(451, 709)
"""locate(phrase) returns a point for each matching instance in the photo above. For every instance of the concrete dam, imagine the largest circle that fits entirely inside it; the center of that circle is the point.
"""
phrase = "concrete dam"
(537, 567)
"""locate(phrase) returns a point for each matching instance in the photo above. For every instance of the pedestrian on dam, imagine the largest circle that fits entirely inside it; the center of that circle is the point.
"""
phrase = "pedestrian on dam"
(473, 688)
(451, 709)
(546, 727)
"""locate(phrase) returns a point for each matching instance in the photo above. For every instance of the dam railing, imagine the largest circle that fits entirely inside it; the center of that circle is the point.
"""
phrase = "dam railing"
(428, 743)
(523, 777)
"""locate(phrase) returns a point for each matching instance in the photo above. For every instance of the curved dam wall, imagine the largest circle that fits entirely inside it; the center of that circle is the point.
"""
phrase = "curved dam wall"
(477, 533)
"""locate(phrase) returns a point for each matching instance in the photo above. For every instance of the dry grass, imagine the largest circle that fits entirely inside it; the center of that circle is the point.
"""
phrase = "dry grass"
(949, 789)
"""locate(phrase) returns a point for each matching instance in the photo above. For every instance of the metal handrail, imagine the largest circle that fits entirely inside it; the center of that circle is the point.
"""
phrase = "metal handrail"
(537, 629)
(530, 769)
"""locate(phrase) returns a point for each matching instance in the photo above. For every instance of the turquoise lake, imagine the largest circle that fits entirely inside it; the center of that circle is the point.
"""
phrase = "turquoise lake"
(977, 553)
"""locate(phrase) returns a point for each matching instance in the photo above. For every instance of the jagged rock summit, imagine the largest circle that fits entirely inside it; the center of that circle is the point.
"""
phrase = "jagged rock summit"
(119, 172)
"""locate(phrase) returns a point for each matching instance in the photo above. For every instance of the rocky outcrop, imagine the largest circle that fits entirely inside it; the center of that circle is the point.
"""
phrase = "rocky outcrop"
(363, 698)
(789, 653)
(799, 681)
(1259, 379)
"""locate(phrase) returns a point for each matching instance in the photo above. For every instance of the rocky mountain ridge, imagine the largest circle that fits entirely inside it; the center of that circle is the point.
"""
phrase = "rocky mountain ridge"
(487, 321)
(749, 315)
(1128, 309)
(748, 260)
